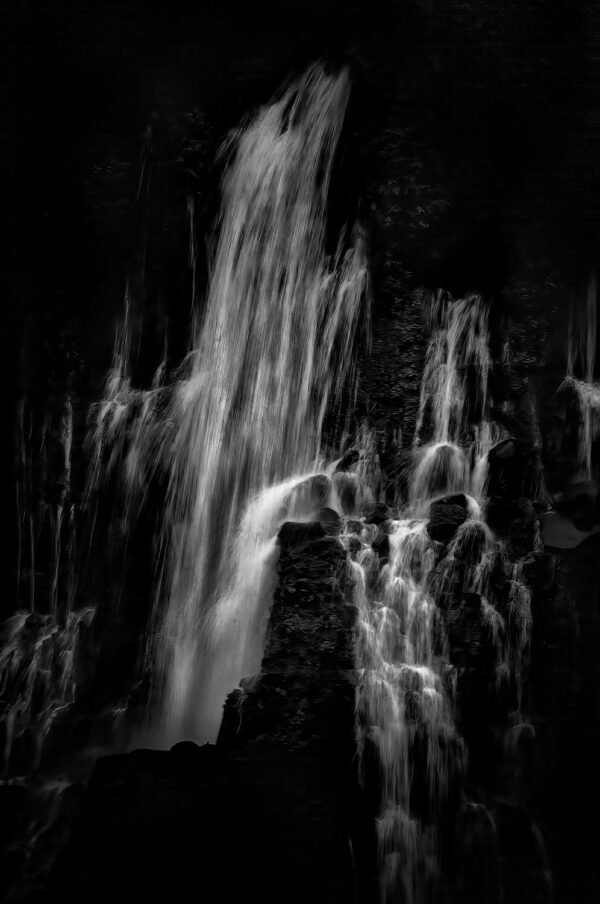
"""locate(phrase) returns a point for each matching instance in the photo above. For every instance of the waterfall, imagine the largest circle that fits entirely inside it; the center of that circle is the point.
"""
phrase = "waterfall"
(271, 350)
(410, 604)
(459, 340)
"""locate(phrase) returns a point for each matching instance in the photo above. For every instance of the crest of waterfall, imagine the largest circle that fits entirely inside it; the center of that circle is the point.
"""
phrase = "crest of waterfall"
(410, 604)
(581, 359)
(271, 352)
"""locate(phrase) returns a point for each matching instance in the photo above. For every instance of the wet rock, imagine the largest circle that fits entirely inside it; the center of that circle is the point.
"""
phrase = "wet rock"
(353, 526)
(470, 641)
(378, 513)
(293, 534)
(477, 856)
(13, 800)
(559, 532)
(445, 517)
(504, 450)
(346, 488)
(347, 460)
(354, 546)
(579, 503)
(311, 494)
(330, 521)
(507, 469)
(381, 544)
(526, 870)
(188, 754)
(230, 723)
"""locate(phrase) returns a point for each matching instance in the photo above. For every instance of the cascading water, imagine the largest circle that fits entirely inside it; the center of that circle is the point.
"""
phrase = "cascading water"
(409, 605)
(271, 350)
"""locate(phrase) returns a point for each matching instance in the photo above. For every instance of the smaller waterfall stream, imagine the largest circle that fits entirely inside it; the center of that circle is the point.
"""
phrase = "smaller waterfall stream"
(409, 604)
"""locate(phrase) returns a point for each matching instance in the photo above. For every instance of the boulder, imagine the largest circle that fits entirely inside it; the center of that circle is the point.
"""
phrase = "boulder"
(310, 495)
(347, 460)
(294, 534)
(381, 543)
(508, 469)
(330, 521)
(446, 515)
(560, 532)
(377, 513)
(346, 487)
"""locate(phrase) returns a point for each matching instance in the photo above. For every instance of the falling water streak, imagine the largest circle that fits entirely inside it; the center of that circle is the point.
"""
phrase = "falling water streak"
(125, 438)
(591, 331)
(519, 634)
(20, 488)
(66, 442)
(270, 354)
(460, 338)
(191, 209)
(30, 515)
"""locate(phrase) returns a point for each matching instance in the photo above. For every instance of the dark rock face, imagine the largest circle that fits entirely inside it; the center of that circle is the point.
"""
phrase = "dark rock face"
(347, 460)
(560, 532)
(445, 517)
(565, 689)
(329, 520)
(312, 493)
(294, 534)
(381, 543)
(346, 487)
(512, 470)
(378, 513)
(267, 813)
